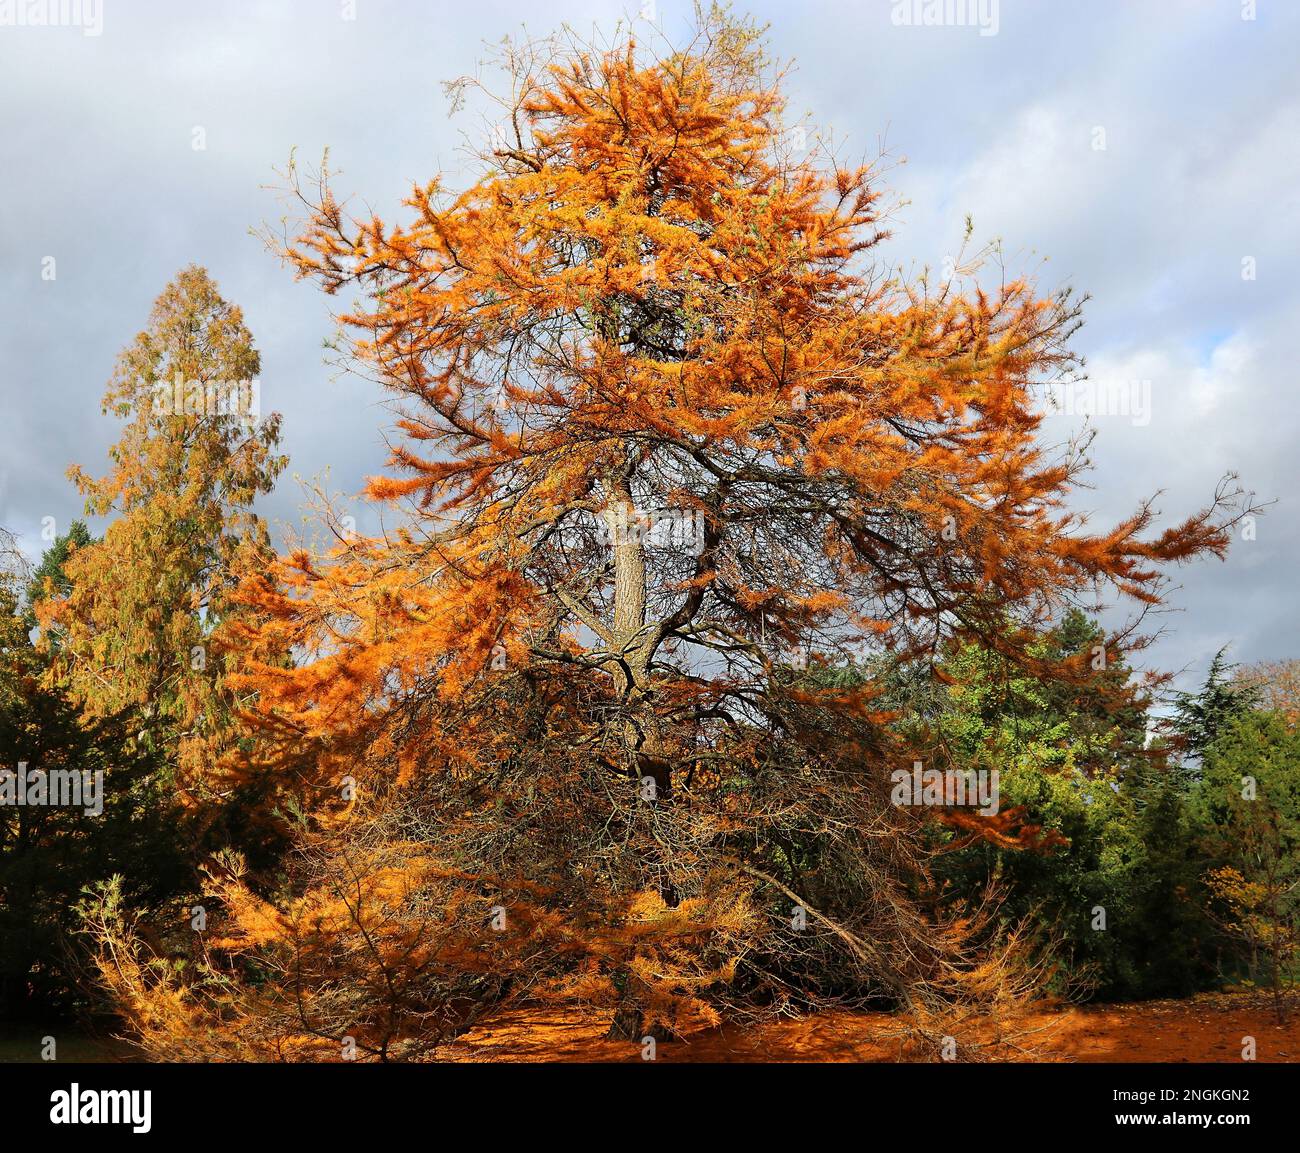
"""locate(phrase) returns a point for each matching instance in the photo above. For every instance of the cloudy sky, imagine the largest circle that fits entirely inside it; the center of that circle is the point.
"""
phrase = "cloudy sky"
(1147, 153)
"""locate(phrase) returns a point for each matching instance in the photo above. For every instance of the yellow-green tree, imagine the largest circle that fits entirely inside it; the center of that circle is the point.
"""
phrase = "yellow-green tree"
(136, 618)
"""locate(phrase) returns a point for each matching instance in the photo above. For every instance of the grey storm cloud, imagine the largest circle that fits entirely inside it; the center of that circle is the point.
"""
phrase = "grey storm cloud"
(1147, 154)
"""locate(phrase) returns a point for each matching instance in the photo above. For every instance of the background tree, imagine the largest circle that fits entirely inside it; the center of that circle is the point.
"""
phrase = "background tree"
(13, 564)
(48, 853)
(1276, 685)
(50, 578)
(125, 677)
(1250, 800)
(1199, 717)
(1112, 888)
(134, 613)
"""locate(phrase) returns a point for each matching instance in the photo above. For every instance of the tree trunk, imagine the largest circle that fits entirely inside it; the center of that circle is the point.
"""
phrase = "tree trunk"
(627, 1024)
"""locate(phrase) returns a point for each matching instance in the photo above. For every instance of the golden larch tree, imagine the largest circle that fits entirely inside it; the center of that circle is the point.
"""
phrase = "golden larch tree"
(678, 456)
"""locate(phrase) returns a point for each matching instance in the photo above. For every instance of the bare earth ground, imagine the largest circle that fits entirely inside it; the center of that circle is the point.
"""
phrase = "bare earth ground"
(1208, 1027)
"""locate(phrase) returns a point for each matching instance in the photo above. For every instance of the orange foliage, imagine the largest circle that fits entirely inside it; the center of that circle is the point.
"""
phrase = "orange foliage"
(647, 316)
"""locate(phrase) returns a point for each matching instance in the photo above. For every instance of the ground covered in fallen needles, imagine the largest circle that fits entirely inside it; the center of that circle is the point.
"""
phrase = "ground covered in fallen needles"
(1208, 1027)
